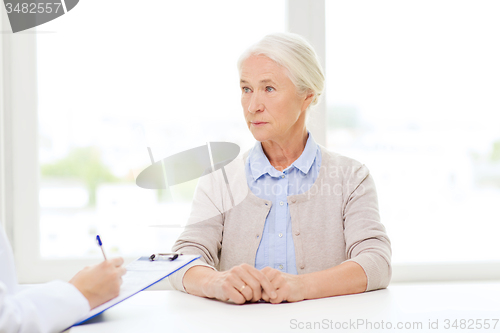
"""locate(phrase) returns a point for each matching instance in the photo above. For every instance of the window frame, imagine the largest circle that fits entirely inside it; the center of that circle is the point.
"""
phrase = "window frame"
(19, 168)
(4, 133)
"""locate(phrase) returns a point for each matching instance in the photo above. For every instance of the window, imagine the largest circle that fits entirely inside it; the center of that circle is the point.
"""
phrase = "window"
(409, 92)
(412, 92)
(109, 84)
(162, 75)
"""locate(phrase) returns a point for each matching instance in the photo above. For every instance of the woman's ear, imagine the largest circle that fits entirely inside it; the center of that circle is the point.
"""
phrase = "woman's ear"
(309, 97)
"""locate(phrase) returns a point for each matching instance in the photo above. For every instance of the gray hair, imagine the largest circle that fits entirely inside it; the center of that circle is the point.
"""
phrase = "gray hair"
(297, 56)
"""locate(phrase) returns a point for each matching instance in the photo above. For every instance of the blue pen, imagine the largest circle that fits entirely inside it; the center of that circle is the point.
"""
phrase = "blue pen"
(98, 239)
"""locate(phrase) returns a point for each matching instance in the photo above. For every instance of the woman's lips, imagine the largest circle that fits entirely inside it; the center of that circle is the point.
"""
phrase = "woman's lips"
(258, 123)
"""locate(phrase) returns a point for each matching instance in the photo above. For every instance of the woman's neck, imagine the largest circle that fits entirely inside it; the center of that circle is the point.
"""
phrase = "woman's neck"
(282, 153)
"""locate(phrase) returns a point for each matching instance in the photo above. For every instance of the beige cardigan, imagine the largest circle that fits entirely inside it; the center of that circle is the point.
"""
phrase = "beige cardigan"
(336, 220)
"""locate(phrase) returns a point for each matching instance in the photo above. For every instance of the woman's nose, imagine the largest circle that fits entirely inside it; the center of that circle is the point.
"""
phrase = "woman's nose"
(255, 104)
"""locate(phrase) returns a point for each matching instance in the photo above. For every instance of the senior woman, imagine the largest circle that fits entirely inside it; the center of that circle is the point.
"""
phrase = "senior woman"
(305, 221)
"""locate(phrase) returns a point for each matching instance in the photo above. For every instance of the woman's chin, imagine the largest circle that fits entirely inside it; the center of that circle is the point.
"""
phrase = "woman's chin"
(260, 135)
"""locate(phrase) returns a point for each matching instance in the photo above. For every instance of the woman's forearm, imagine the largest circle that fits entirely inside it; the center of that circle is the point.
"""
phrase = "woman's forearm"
(197, 281)
(346, 278)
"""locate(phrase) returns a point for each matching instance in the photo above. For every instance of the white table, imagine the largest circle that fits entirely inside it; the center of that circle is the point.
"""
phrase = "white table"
(410, 305)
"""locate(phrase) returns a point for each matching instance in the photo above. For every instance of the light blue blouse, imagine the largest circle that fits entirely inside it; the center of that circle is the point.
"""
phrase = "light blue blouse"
(276, 247)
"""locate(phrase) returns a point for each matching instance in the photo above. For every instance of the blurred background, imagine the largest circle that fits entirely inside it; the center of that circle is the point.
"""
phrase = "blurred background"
(412, 92)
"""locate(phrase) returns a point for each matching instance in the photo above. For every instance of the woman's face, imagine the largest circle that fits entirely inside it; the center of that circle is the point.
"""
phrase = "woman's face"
(272, 107)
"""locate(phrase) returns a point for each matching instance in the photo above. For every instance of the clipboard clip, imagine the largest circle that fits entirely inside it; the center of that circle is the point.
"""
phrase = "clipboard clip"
(170, 256)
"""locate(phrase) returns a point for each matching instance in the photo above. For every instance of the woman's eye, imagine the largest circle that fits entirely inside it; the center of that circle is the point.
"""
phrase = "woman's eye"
(245, 89)
(269, 89)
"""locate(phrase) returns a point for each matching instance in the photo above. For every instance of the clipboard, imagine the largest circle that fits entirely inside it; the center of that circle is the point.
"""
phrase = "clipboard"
(141, 274)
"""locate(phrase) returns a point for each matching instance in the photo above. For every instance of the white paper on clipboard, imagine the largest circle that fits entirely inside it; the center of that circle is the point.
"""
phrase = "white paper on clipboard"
(141, 274)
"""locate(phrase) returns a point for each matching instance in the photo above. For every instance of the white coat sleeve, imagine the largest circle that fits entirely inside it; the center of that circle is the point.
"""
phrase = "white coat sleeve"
(50, 307)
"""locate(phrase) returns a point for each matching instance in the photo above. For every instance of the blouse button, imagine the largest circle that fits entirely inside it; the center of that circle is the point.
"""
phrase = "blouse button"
(294, 200)
(302, 267)
(297, 233)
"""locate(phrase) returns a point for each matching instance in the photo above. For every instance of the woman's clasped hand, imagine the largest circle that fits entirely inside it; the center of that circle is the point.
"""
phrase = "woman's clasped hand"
(244, 283)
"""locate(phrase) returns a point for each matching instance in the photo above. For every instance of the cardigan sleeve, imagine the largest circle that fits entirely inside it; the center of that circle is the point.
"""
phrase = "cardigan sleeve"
(366, 240)
(203, 232)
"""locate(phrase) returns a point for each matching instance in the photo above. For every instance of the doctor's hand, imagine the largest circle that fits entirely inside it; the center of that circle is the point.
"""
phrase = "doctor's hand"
(239, 284)
(101, 282)
(289, 287)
